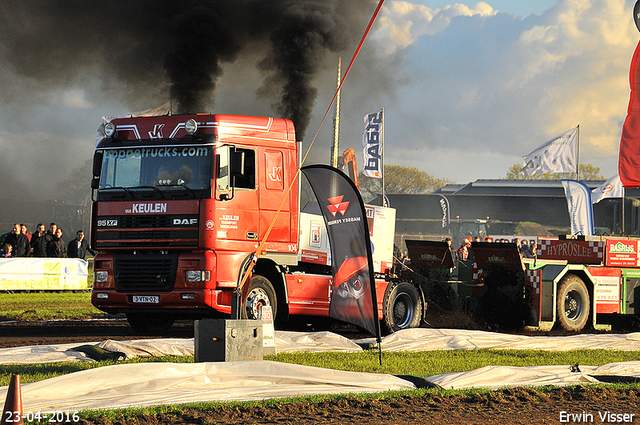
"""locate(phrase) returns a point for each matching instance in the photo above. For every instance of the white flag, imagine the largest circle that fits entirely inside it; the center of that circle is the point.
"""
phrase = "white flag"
(580, 207)
(558, 155)
(372, 144)
(612, 188)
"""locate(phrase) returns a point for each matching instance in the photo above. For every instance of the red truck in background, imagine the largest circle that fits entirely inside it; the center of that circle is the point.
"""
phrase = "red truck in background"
(181, 201)
(573, 283)
(584, 281)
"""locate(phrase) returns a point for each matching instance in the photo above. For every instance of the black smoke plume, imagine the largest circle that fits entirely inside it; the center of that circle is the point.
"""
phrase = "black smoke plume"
(177, 49)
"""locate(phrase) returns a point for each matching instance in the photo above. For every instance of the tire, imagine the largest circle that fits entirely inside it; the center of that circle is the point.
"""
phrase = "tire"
(573, 304)
(150, 323)
(402, 307)
(260, 293)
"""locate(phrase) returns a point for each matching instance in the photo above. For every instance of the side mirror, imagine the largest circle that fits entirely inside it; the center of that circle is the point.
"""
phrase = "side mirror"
(97, 163)
(95, 182)
(224, 187)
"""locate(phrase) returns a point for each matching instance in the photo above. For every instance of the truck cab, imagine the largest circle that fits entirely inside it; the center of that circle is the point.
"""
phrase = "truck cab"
(179, 203)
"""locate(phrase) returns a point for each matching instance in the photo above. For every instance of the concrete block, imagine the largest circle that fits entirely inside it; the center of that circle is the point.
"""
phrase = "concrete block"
(224, 340)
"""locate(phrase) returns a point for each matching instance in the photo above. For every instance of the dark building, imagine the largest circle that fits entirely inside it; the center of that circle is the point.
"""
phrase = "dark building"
(505, 204)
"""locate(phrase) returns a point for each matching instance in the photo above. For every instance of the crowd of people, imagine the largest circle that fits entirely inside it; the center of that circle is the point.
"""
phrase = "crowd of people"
(42, 243)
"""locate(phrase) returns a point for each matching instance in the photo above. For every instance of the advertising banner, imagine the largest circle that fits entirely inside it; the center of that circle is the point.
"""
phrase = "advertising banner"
(580, 207)
(622, 253)
(372, 144)
(26, 274)
(353, 295)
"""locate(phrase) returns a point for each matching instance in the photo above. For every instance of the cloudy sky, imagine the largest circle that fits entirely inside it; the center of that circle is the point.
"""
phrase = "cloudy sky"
(468, 87)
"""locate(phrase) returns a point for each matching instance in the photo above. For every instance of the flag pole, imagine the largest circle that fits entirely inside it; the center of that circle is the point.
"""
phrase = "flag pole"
(578, 161)
(622, 232)
(384, 199)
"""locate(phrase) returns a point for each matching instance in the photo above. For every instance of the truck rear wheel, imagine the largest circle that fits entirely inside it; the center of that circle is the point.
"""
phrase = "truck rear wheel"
(150, 323)
(259, 294)
(572, 304)
(402, 307)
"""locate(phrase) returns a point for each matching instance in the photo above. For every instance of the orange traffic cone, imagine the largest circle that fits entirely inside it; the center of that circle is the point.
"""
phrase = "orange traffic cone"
(12, 412)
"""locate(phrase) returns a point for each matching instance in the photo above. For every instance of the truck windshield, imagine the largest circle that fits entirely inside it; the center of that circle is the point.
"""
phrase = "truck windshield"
(170, 166)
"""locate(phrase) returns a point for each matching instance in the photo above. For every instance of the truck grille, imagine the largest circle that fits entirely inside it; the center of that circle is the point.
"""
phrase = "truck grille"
(144, 272)
(146, 231)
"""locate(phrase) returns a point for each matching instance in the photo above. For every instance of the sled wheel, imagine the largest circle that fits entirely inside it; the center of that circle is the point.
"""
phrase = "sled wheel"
(401, 307)
(572, 304)
(259, 294)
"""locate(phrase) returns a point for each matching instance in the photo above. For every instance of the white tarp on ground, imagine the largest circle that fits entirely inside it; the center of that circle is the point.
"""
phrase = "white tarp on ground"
(161, 383)
(290, 342)
(286, 342)
(149, 384)
(422, 339)
(495, 377)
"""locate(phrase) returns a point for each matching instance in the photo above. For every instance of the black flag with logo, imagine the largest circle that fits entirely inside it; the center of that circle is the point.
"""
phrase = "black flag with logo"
(353, 296)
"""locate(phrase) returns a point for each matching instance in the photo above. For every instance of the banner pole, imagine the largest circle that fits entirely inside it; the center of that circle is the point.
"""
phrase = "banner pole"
(578, 157)
(384, 199)
(622, 230)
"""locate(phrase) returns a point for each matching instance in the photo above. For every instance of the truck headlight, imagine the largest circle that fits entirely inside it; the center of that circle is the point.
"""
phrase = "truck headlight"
(197, 275)
(100, 276)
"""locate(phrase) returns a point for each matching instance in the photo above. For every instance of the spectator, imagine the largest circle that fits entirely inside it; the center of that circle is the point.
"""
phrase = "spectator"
(524, 248)
(38, 242)
(453, 272)
(25, 231)
(3, 237)
(454, 254)
(56, 248)
(463, 251)
(531, 252)
(19, 242)
(488, 239)
(78, 247)
(5, 251)
(50, 236)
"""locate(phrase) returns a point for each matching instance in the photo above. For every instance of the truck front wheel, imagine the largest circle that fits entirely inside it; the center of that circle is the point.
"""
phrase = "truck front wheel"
(572, 304)
(150, 323)
(402, 307)
(259, 294)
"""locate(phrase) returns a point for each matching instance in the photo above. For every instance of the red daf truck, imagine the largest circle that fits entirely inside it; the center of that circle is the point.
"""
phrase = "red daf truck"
(181, 202)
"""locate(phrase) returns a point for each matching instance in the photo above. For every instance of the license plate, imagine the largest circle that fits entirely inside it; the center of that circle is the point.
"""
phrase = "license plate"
(146, 299)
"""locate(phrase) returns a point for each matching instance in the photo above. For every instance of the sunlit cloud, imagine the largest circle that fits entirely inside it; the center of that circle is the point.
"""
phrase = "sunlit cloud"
(403, 22)
(503, 85)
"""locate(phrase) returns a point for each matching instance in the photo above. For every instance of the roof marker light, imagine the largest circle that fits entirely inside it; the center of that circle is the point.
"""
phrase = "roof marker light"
(191, 126)
(109, 129)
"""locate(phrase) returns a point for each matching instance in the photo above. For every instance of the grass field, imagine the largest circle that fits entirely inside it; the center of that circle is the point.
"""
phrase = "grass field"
(47, 306)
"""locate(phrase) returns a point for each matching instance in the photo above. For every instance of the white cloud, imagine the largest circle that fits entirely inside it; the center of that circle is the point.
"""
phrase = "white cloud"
(502, 85)
(401, 23)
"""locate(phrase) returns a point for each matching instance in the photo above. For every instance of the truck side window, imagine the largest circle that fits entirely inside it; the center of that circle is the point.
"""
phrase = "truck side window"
(246, 178)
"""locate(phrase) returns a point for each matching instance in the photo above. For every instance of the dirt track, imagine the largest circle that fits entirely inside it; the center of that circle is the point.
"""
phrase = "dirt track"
(23, 333)
(509, 406)
(517, 406)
